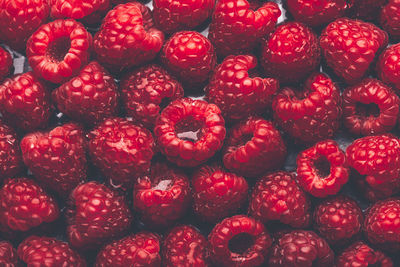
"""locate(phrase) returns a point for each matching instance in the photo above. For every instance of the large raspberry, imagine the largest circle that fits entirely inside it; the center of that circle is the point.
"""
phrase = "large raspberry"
(388, 66)
(390, 19)
(6, 63)
(10, 154)
(8, 255)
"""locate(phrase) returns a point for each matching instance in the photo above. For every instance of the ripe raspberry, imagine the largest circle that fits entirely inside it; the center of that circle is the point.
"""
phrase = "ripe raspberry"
(6, 63)
(217, 194)
(351, 46)
(121, 150)
(189, 132)
(10, 154)
(58, 50)
(239, 241)
(367, 9)
(301, 248)
(388, 66)
(95, 215)
(141, 249)
(291, 53)
(48, 251)
(390, 19)
(253, 147)
(172, 16)
(25, 205)
(146, 90)
(310, 115)
(8, 255)
(127, 37)
(233, 88)
(374, 192)
(242, 23)
(56, 158)
(25, 102)
(185, 246)
(277, 197)
(89, 97)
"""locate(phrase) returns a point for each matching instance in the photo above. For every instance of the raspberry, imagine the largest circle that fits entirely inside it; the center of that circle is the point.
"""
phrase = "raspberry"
(146, 90)
(290, 53)
(253, 147)
(25, 102)
(217, 194)
(239, 241)
(367, 9)
(322, 169)
(242, 23)
(233, 88)
(351, 46)
(10, 154)
(8, 255)
(189, 132)
(388, 66)
(390, 19)
(89, 97)
(6, 63)
(58, 50)
(374, 192)
(310, 115)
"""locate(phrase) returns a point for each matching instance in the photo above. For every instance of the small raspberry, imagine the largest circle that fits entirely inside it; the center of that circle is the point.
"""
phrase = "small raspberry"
(8, 255)
(6, 63)
(10, 154)
(388, 66)
(367, 9)
(390, 19)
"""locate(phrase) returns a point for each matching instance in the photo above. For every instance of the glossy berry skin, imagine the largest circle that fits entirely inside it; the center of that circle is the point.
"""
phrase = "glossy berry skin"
(189, 132)
(236, 92)
(141, 249)
(253, 147)
(6, 63)
(25, 102)
(8, 255)
(390, 19)
(388, 67)
(230, 246)
(146, 90)
(95, 215)
(277, 197)
(322, 169)
(243, 23)
(367, 9)
(89, 97)
(48, 251)
(10, 153)
(290, 53)
(57, 158)
(351, 46)
(217, 193)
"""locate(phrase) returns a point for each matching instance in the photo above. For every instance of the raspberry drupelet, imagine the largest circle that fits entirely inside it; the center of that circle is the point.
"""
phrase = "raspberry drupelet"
(8, 254)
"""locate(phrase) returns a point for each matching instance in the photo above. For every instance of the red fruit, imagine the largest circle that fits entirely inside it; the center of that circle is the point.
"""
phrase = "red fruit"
(388, 66)
(189, 132)
(351, 46)
(95, 215)
(25, 102)
(58, 50)
(141, 249)
(127, 37)
(291, 53)
(390, 18)
(10, 154)
(367, 9)
(8, 255)
(239, 241)
(310, 115)
(242, 23)
(146, 90)
(277, 197)
(25, 205)
(6, 63)
(374, 192)
(56, 158)
(89, 97)
(217, 193)
(236, 91)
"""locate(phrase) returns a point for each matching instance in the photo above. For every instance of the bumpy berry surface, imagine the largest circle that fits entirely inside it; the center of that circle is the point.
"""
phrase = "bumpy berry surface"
(10, 154)
(390, 19)
(388, 66)
(8, 255)
(6, 63)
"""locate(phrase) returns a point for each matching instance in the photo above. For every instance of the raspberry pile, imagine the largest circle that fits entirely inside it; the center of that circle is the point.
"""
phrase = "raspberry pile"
(200, 133)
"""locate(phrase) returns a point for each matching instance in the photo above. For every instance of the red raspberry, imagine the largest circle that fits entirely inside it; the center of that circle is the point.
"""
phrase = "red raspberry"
(217, 194)
(388, 66)
(95, 215)
(25, 205)
(322, 169)
(253, 147)
(301, 248)
(173, 16)
(189, 132)
(58, 50)
(127, 37)
(48, 251)
(370, 107)
(25, 102)
(141, 249)
(236, 91)
(367, 9)
(57, 158)
(10, 154)
(121, 149)
(291, 52)
(6, 63)
(239, 241)
(374, 192)
(8, 255)
(146, 90)
(277, 197)
(89, 97)
(238, 25)
(310, 115)
(390, 19)
(185, 246)
(351, 46)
